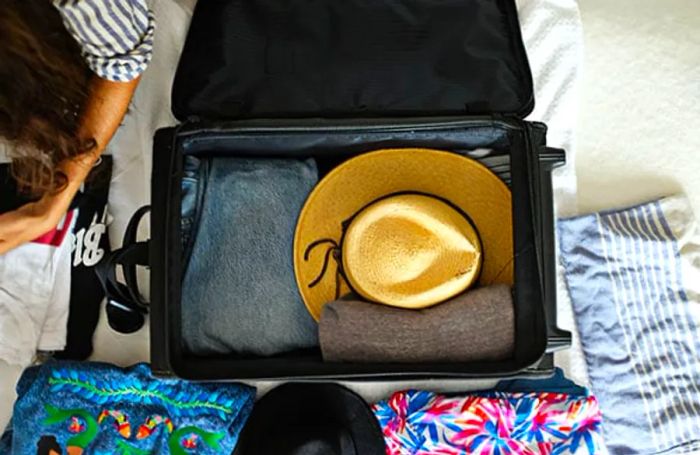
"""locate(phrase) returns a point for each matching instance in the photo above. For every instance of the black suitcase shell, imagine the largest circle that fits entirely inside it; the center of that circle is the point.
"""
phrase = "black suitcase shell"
(335, 78)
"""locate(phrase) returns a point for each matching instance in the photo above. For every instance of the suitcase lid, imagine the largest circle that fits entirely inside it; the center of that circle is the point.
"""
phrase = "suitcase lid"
(352, 58)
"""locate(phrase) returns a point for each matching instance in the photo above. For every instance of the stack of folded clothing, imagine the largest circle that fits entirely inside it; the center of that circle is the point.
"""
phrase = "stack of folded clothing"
(426, 267)
(40, 311)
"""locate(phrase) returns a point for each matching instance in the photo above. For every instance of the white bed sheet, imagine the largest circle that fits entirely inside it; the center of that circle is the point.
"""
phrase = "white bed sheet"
(552, 33)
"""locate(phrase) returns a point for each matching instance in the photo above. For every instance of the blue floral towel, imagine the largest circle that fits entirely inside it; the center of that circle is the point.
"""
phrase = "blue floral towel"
(634, 280)
(102, 409)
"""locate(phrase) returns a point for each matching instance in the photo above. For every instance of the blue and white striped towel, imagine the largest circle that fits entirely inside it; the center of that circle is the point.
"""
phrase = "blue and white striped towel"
(634, 280)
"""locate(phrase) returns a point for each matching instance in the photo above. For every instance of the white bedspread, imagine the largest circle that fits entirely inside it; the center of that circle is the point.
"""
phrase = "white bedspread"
(552, 33)
(553, 37)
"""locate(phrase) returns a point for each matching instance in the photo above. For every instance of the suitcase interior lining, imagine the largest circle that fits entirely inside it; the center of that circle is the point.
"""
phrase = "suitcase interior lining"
(508, 156)
(248, 59)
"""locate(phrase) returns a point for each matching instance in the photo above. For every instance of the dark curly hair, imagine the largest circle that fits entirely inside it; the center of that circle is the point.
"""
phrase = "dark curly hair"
(43, 87)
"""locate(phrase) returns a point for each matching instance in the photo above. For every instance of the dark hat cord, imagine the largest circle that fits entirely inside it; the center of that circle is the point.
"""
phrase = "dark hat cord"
(334, 252)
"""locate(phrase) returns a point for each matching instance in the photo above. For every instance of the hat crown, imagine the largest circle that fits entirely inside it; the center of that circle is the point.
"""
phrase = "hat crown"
(410, 250)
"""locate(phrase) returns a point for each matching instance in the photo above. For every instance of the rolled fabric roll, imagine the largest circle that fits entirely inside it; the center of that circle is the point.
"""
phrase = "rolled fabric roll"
(476, 325)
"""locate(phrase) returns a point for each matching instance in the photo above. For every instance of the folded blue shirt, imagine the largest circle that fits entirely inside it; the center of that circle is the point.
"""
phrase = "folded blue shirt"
(103, 409)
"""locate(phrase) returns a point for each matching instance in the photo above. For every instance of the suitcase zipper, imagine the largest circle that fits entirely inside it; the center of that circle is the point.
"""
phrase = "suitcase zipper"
(195, 125)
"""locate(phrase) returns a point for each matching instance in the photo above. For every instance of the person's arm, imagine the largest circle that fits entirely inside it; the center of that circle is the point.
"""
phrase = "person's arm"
(102, 115)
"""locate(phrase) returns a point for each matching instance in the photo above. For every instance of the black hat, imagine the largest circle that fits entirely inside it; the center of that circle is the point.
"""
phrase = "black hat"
(311, 419)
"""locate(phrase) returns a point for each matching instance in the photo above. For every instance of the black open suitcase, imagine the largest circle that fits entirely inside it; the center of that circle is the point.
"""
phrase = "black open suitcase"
(335, 78)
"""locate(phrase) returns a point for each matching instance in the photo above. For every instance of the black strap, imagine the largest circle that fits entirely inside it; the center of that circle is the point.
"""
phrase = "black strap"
(131, 254)
(135, 253)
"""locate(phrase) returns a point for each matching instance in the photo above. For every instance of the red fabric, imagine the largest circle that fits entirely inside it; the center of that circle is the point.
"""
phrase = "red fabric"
(56, 235)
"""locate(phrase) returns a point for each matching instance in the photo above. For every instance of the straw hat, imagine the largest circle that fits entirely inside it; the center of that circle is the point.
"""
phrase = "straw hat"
(404, 227)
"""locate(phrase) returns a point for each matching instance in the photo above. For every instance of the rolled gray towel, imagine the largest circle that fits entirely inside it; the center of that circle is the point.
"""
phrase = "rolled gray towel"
(476, 325)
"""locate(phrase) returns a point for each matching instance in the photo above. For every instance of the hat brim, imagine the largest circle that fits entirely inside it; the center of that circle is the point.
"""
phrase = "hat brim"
(293, 406)
(464, 182)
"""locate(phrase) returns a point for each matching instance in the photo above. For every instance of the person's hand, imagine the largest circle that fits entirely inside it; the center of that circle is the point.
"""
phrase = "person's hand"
(103, 112)
(32, 220)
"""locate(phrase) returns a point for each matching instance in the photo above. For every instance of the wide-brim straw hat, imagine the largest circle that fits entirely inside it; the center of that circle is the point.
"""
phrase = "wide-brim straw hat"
(408, 228)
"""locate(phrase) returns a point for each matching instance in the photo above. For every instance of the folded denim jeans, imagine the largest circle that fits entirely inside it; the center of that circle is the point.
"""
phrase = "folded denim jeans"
(239, 293)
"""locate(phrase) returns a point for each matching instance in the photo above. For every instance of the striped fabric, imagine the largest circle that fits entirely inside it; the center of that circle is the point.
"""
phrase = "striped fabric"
(632, 275)
(116, 36)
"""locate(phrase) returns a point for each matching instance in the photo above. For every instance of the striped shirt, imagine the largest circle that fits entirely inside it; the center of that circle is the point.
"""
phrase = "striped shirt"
(116, 36)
